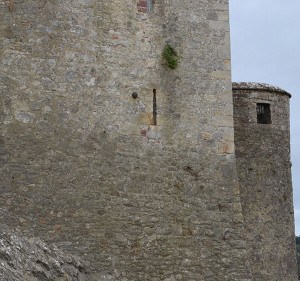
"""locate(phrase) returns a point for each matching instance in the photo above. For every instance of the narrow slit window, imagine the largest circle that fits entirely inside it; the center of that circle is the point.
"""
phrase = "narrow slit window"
(263, 113)
(154, 119)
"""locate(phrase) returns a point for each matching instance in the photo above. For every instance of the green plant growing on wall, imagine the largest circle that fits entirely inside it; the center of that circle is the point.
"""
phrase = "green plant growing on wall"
(170, 57)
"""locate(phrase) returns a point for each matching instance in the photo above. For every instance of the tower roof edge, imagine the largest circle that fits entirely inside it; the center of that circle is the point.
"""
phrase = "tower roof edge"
(258, 86)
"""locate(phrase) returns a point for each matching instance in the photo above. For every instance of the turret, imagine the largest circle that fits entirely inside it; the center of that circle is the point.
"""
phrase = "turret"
(262, 141)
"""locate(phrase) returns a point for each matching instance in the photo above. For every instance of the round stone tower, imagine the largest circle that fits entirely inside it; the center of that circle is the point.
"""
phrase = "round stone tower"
(262, 141)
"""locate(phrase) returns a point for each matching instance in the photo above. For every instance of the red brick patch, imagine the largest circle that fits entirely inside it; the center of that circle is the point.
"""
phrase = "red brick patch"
(142, 5)
(144, 133)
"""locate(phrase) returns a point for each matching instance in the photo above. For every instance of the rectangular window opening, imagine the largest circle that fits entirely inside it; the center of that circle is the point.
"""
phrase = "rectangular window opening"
(263, 111)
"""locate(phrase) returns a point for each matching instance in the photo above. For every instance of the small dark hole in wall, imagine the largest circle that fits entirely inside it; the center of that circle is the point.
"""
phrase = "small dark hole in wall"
(263, 111)
(284, 197)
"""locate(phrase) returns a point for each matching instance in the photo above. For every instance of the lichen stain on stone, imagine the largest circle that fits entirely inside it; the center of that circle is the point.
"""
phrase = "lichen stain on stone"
(25, 117)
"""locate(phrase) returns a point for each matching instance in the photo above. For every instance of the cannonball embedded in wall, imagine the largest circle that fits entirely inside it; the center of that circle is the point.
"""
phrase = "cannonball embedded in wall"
(134, 95)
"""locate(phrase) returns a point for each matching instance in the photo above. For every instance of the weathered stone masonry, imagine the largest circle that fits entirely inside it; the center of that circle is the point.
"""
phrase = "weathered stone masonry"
(83, 163)
(263, 164)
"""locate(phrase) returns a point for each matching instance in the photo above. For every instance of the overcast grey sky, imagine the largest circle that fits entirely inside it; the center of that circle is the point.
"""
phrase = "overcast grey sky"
(265, 47)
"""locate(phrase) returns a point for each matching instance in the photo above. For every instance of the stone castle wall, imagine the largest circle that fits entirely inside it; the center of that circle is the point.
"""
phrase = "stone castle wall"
(83, 163)
(263, 164)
